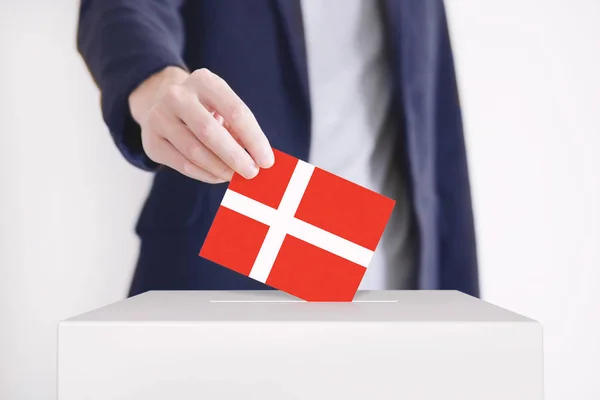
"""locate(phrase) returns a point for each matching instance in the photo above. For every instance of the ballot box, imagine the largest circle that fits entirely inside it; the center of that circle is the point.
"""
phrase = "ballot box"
(267, 345)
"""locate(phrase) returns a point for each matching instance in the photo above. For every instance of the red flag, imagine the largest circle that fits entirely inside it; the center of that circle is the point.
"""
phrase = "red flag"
(299, 229)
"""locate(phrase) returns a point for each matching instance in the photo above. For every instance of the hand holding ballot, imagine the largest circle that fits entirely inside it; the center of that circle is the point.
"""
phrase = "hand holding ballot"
(196, 124)
(315, 245)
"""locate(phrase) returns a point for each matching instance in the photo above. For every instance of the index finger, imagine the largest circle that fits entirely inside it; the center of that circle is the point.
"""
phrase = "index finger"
(215, 93)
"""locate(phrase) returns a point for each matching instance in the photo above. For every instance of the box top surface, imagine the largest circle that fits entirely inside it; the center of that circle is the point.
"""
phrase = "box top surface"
(368, 306)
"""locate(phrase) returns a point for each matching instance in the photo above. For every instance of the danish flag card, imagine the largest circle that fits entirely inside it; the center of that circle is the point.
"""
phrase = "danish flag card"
(298, 229)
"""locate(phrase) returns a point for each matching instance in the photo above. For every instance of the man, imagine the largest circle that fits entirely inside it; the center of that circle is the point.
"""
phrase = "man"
(198, 90)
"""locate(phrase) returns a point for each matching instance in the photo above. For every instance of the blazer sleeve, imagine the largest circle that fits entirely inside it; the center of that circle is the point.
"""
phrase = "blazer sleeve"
(122, 43)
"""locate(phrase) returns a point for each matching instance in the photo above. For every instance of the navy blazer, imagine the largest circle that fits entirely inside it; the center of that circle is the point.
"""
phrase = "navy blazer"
(257, 46)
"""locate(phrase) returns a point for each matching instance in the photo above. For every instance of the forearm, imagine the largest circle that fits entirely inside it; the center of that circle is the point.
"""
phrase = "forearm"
(123, 43)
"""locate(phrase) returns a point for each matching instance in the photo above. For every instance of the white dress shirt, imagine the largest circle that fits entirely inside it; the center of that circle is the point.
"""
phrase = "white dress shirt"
(353, 126)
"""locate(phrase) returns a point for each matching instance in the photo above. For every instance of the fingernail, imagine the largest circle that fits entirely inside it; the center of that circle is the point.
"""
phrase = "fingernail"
(251, 171)
(267, 159)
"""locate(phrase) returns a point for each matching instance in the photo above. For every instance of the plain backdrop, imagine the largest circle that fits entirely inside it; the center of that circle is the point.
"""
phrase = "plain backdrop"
(530, 86)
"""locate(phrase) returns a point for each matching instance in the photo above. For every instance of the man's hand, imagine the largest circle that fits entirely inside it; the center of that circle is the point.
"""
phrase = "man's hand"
(195, 124)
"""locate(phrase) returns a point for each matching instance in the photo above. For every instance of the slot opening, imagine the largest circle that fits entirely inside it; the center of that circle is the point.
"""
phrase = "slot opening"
(299, 301)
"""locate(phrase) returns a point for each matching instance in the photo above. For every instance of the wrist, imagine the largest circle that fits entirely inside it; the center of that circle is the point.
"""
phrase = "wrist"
(149, 91)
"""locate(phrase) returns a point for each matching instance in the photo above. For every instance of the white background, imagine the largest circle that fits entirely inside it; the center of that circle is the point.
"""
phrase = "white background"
(529, 73)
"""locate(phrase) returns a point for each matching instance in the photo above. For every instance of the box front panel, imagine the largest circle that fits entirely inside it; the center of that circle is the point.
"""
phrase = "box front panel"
(300, 361)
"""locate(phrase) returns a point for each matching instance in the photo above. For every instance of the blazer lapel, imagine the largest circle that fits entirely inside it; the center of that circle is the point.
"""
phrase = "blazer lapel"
(413, 29)
(290, 13)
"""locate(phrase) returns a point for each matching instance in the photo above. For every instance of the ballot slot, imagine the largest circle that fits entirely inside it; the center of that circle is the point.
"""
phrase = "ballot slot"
(300, 301)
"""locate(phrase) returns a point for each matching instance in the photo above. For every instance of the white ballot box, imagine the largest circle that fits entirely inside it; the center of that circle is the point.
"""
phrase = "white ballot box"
(267, 345)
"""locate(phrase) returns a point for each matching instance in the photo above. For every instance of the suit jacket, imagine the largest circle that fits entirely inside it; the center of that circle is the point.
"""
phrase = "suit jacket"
(257, 46)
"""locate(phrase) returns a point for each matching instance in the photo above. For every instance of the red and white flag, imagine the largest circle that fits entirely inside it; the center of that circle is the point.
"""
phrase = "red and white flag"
(298, 229)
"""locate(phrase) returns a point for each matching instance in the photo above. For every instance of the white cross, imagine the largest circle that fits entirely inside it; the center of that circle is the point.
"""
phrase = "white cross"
(281, 222)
